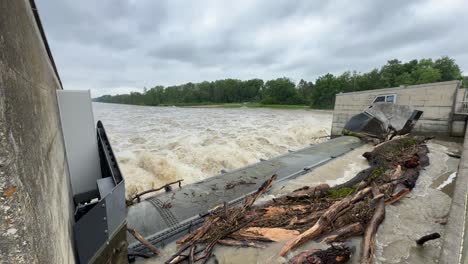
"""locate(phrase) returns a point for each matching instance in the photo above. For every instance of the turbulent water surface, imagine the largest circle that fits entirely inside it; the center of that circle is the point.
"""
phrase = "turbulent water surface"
(156, 145)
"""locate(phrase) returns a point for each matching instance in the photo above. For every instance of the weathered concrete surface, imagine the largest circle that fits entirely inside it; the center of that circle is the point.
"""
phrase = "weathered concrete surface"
(455, 243)
(35, 205)
(437, 100)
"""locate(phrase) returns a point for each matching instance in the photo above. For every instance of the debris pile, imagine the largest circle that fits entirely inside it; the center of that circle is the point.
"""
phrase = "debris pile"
(322, 213)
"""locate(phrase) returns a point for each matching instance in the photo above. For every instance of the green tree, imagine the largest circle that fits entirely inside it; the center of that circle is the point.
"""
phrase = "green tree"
(305, 88)
(425, 72)
(391, 71)
(280, 91)
(448, 69)
(326, 87)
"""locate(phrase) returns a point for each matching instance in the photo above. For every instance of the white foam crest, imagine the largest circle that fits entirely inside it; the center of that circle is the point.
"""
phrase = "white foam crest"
(448, 180)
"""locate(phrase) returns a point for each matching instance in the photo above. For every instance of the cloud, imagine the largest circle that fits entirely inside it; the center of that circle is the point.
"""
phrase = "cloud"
(114, 46)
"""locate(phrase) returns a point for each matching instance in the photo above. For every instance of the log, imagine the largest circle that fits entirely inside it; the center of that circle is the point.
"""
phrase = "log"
(324, 221)
(264, 234)
(308, 193)
(371, 229)
(206, 253)
(143, 241)
(343, 233)
(192, 254)
(275, 210)
(177, 257)
(241, 243)
(310, 218)
(250, 200)
(197, 234)
(302, 257)
(426, 238)
(398, 196)
(331, 255)
(138, 254)
(138, 196)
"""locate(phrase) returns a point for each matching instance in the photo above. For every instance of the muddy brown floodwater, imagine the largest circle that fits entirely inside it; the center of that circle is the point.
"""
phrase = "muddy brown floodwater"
(156, 145)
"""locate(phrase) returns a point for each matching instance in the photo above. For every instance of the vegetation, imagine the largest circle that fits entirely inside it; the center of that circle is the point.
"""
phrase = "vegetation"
(283, 91)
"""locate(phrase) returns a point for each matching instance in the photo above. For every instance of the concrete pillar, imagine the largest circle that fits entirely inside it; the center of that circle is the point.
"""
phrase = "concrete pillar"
(36, 211)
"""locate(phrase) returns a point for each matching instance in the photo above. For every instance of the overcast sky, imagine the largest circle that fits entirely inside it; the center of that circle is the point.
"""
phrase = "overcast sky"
(116, 46)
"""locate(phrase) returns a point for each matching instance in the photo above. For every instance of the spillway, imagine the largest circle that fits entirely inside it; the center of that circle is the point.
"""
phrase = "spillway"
(164, 217)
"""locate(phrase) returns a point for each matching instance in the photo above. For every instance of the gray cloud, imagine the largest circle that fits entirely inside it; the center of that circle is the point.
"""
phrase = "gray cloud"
(115, 46)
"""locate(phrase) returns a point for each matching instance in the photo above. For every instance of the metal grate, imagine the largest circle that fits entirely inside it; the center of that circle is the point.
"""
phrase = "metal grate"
(165, 213)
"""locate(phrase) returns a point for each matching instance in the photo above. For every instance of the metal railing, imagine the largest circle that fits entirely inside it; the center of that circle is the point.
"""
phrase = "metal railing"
(463, 107)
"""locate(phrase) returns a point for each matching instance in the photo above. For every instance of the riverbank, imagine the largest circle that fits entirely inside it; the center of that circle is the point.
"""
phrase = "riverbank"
(232, 105)
(249, 105)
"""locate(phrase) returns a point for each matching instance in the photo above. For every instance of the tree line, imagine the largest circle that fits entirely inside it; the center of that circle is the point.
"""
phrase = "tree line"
(318, 94)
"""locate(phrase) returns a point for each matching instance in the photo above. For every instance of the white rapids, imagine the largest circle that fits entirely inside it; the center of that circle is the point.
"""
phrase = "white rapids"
(156, 145)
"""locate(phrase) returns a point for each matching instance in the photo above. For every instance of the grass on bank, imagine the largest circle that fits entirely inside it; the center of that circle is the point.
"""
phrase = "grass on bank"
(238, 105)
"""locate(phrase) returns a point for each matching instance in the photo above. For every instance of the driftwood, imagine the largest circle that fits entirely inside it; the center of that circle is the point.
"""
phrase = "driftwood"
(426, 238)
(332, 255)
(324, 213)
(265, 234)
(250, 200)
(324, 221)
(137, 254)
(241, 243)
(199, 232)
(398, 196)
(369, 234)
(143, 241)
(165, 186)
(344, 233)
(307, 193)
(310, 218)
(217, 227)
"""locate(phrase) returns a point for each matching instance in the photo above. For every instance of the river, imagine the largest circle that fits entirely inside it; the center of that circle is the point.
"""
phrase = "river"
(155, 145)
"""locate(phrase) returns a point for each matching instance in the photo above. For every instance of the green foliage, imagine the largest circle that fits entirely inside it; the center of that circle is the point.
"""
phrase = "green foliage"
(280, 91)
(376, 173)
(341, 192)
(283, 91)
(392, 74)
(448, 69)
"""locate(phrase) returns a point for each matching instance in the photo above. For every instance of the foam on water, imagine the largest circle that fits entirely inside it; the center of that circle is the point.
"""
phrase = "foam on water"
(156, 145)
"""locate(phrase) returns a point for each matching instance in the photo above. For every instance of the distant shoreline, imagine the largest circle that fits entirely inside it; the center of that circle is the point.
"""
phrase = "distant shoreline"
(235, 105)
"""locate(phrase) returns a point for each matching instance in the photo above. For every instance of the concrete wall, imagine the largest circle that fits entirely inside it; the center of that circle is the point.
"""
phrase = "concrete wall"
(35, 204)
(435, 99)
(455, 240)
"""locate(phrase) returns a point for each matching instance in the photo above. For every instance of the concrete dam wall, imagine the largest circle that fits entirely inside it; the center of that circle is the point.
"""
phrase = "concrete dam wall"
(35, 198)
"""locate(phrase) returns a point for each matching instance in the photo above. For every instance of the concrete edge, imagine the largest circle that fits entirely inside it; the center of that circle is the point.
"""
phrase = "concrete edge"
(455, 244)
(457, 82)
